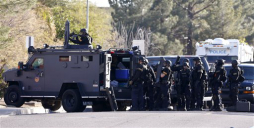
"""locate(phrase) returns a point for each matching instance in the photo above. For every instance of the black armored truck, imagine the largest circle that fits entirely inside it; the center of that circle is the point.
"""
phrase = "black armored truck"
(73, 76)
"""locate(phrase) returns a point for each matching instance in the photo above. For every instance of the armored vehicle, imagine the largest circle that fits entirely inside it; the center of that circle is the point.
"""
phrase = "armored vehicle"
(73, 76)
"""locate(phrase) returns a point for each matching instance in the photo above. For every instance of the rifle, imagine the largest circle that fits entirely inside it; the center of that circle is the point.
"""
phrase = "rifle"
(177, 60)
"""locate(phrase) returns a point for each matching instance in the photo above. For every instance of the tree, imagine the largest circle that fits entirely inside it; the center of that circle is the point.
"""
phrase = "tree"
(191, 11)
(44, 19)
(153, 15)
(100, 27)
(129, 11)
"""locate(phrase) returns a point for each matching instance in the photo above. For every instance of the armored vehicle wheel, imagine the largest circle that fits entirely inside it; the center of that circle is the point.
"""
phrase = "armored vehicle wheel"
(82, 108)
(71, 100)
(12, 96)
(52, 105)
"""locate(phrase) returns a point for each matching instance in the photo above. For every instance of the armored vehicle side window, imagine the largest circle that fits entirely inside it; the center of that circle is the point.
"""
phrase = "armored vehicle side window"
(87, 58)
(64, 58)
(38, 63)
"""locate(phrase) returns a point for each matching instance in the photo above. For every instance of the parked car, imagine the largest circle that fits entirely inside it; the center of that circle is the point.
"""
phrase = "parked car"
(246, 89)
(153, 60)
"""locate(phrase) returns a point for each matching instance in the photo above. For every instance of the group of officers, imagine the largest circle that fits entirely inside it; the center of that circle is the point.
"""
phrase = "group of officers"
(190, 84)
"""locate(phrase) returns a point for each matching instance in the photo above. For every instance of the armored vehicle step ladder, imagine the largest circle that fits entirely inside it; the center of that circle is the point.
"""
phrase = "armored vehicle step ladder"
(112, 99)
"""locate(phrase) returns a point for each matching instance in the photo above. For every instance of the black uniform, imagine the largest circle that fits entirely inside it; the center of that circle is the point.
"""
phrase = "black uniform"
(137, 89)
(197, 86)
(176, 68)
(149, 87)
(233, 79)
(184, 89)
(163, 97)
(216, 83)
(82, 39)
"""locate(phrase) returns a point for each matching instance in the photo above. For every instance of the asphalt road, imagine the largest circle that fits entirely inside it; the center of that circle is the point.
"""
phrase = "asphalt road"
(133, 119)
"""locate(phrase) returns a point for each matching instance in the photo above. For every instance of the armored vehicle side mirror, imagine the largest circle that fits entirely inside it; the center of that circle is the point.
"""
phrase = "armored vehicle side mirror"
(26, 67)
(20, 66)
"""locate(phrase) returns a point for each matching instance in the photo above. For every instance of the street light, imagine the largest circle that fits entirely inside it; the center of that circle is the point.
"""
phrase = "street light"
(87, 16)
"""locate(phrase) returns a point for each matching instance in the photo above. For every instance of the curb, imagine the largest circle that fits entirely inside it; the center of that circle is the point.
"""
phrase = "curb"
(22, 111)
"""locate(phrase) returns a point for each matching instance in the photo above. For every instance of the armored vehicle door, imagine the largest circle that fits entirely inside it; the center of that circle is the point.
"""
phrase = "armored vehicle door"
(107, 64)
(34, 78)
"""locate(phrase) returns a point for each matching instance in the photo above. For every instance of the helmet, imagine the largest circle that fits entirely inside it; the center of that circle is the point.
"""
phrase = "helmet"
(146, 61)
(197, 59)
(220, 62)
(234, 62)
(186, 64)
(168, 62)
(186, 60)
(141, 59)
(83, 30)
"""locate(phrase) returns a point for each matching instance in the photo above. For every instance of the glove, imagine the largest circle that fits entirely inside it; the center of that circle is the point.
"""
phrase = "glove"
(130, 82)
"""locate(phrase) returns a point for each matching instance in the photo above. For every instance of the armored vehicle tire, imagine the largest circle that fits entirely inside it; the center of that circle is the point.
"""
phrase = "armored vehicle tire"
(82, 108)
(12, 96)
(71, 101)
(52, 105)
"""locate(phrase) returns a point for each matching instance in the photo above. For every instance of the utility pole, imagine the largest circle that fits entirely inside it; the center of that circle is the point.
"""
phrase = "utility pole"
(87, 16)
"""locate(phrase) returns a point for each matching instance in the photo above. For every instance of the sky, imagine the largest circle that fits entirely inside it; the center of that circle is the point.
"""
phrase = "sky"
(100, 3)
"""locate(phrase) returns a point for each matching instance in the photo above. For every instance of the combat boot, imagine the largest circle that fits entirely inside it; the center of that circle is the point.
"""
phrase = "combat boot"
(212, 109)
(133, 109)
(164, 109)
(218, 109)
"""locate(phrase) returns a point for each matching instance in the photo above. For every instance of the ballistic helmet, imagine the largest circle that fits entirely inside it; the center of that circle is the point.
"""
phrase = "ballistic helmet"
(186, 64)
(234, 62)
(186, 60)
(83, 30)
(168, 62)
(142, 59)
(197, 59)
(220, 62)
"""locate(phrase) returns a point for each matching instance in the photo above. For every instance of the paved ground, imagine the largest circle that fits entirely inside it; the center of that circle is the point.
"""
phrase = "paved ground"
(132, 119)
(37, 116)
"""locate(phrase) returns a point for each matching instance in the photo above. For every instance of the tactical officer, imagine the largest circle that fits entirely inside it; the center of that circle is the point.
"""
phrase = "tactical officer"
(136, 83)
(184, 92)
(163, 96)
(82, 39)
(197, 85)
(177, 68)
(149, 86)
(234, 79)
(216, 83)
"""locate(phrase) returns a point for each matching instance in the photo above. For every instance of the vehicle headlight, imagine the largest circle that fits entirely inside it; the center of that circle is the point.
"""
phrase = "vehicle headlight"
(248, 88)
